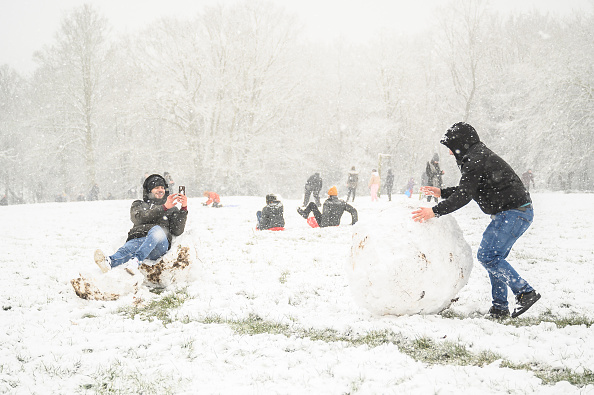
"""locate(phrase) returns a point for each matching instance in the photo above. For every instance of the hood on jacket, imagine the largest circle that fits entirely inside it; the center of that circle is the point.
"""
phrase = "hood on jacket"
(151, 182)
(459, 138)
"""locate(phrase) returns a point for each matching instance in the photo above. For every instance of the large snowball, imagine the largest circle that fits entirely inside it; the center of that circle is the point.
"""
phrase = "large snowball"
(401, 267)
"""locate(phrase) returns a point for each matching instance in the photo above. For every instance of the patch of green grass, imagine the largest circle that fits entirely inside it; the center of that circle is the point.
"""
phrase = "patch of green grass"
(422, 349)
(552, 376)
(115, 379)
(283, 277)
(158, 309)
(547, 316)
(560, 322)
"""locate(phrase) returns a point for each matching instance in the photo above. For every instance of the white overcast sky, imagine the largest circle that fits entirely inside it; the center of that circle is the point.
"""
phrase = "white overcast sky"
(28, 25)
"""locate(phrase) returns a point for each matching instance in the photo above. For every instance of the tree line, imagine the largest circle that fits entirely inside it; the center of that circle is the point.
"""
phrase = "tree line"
(235, 99)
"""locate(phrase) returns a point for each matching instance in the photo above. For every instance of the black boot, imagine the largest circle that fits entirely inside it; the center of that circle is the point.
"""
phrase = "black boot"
(498, 314)
(301, 212)
(524, 301)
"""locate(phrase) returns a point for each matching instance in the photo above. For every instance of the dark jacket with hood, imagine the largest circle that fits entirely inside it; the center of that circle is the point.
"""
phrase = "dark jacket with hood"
(150, 212)
(486, 178)
(272, 216)
(333, 209)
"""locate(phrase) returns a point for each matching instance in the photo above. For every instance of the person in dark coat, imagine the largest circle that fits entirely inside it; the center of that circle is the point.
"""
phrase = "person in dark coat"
(271, 217)
(499, 192)
(4, 201)
(94, 193)
(313, 185)
(169, 180)
(389, 184)
(528, 177)
(331, 211)
(352, 182)
(155, 219)
(434, 175)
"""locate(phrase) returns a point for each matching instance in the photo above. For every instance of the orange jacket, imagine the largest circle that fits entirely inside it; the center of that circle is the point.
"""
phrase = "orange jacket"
(212, 197)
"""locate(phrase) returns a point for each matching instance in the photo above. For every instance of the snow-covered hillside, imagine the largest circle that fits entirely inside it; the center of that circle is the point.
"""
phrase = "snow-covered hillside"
(272, 312)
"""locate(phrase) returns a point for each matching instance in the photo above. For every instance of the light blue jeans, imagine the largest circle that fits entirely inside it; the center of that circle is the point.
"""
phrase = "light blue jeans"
(153, 246)
(499, 237)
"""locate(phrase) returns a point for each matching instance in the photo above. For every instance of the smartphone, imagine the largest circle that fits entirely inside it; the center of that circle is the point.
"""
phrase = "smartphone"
(182, 190)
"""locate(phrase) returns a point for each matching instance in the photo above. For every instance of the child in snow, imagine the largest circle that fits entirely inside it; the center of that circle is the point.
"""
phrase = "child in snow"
(156, 220)
(332, 210)
(499, 192)
(213, 198)
(271, 217)
(409, 187)
(374, 184)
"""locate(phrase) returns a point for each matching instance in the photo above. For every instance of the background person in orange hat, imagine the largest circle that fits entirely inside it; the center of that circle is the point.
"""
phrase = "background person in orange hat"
(332, 210)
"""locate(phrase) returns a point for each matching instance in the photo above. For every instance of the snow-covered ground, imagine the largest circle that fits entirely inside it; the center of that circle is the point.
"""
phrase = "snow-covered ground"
(51, 341)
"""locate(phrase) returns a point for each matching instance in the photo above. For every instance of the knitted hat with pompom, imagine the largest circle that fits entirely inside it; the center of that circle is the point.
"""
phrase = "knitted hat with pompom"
(332, 191)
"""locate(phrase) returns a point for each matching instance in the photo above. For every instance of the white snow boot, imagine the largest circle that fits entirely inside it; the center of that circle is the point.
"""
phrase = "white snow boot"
(102, 261)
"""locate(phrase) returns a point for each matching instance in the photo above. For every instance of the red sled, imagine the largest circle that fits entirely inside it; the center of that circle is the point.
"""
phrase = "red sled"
(311, 221)
(273, 229)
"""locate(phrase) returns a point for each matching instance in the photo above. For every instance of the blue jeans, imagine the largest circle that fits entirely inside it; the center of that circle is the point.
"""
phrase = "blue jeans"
(498, 239)
(153, 246)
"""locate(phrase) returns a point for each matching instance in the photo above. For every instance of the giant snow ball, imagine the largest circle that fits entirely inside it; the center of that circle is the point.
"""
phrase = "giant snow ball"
(401, 267)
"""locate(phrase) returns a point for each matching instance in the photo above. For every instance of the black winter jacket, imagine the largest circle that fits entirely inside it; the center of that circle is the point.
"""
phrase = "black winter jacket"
(333, 209)
(314, 183)
(149, 212)
(434, 176)
(272, 216)
(486, 177)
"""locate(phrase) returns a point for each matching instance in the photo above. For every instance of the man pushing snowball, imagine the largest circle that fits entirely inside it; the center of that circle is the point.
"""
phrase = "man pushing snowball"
(499, 192)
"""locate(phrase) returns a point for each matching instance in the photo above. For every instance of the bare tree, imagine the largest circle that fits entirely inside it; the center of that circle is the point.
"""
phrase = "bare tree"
(462, 26)
(72, 73)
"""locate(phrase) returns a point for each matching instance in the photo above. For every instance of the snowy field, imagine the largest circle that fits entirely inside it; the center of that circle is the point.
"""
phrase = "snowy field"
(272, 312)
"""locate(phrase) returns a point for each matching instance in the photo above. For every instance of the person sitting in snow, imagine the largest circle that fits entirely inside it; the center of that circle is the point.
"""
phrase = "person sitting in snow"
(499, 192)
(332, 210)
(213, 198)
(156, 220)
(271, 217)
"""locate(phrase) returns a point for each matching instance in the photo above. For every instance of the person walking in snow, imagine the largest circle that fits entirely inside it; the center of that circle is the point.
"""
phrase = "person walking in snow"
(389, 184)
(528, 177)
(352, 182)
(499, 192)
(332, 210)
(313, 186)
(169, 179)
(94, 193)
(213, 198)
(374, 184)
(156, 219)
(434, 175)
(271, 217)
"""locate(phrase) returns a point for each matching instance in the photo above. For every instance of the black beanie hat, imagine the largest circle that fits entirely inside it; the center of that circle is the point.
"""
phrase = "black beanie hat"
(150, 183)
(153, 182)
